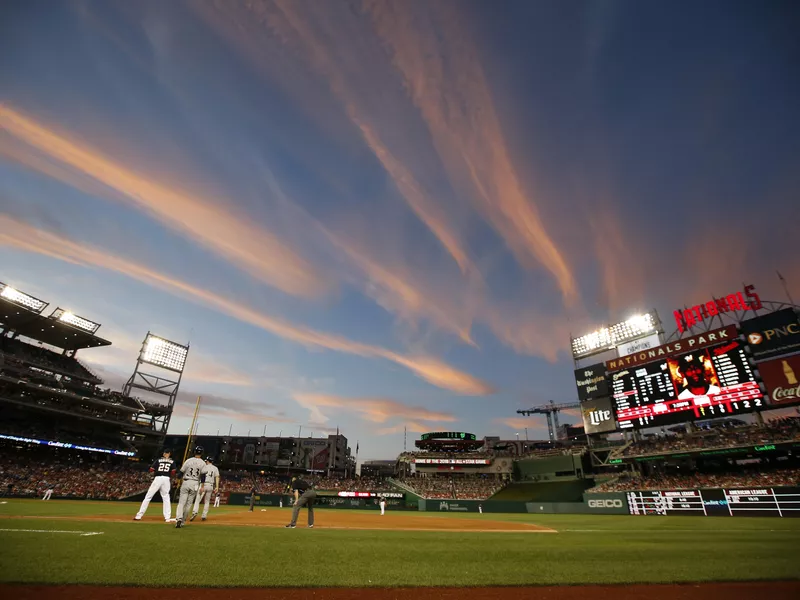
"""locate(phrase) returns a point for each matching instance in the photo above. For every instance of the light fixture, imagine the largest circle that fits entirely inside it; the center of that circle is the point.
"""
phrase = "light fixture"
(25, 300)
(74, 320)
(164, 353)
(608, 338)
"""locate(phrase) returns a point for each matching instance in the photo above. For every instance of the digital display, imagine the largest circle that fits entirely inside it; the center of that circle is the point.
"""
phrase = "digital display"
(704, 384)
(448, 435)
(763, 502)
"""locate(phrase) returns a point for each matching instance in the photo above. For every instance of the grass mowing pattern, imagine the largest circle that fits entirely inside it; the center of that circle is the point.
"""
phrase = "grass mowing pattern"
(603, 549)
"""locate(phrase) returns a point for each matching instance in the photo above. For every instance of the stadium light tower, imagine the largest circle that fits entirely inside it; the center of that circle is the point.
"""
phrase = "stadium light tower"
(609, 337)
(169, 356)
(21, 299)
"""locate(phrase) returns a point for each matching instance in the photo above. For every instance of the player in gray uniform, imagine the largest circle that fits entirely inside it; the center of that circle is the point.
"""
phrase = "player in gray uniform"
(210, 485)
(190, 474)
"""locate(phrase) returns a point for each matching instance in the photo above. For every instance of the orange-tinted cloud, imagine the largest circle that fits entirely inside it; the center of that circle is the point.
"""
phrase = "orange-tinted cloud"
(442, 72)
(376, 410)
(21, 235)
(405, 294)
(518, 422)
(410, 426)
(212, 224)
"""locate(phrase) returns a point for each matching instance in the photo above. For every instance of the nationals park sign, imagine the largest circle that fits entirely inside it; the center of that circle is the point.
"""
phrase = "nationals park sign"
(711, 338)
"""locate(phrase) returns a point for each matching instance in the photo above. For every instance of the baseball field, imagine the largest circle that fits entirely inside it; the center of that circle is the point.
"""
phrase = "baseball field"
(70, 545)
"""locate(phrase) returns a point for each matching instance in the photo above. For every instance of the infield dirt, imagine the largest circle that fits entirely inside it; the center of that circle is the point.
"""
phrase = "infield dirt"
(778, 590)
(330, 519)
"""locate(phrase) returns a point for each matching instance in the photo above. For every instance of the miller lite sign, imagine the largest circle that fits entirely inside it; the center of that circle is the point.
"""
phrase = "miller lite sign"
(598, 416)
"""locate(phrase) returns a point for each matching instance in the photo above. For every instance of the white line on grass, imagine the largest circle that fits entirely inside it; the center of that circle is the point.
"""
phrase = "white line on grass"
(81, 533)
(703, 531)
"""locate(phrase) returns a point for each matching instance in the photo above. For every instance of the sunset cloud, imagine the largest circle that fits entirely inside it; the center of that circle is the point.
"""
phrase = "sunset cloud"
(215, 225)
(519, 423)
(443, 74)
(20, 235)
(375, 410)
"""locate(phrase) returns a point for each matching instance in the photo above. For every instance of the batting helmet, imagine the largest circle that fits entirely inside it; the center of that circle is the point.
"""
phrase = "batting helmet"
(198, 450)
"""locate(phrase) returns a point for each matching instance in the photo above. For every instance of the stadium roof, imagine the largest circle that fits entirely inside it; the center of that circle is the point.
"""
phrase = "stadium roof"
(46, 329)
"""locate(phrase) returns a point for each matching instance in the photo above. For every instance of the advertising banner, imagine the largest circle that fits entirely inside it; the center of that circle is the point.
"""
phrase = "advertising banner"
(773, 335)
(612, 503)
(782, 378)
(598, 416)
(591, 382)
(651, 341)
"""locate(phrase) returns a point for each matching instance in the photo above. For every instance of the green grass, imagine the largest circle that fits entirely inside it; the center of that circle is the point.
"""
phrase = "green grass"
(587, 549)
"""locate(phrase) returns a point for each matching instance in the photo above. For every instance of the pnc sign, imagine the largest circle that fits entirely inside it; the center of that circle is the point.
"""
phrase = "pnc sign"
(687, 318)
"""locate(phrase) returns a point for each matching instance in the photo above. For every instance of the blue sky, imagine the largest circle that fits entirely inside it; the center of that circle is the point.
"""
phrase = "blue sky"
(382, 215)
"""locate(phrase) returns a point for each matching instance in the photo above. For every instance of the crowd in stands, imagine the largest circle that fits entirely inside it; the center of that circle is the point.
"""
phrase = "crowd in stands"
(751, 479)
(45, 359)
(778, 430)
(463, 488)
(69, 476)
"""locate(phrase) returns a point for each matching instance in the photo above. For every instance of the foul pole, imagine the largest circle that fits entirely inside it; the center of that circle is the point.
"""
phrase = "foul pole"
(191, 430)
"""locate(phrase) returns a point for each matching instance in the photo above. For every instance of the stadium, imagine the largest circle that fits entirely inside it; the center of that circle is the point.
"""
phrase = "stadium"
(708, 479)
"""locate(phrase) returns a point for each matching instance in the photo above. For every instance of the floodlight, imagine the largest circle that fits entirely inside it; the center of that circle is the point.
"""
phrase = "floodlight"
(608, 338)
(24, 300)
(72, 319)
(163, 353)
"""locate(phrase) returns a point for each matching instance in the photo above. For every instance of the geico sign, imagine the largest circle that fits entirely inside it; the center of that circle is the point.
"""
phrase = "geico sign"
(605, 503)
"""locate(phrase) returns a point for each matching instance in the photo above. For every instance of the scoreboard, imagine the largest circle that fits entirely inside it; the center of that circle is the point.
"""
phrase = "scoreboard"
(657, 393)
(762, 502)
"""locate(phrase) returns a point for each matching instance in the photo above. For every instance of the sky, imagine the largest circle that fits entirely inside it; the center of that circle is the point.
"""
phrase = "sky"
(382, 216)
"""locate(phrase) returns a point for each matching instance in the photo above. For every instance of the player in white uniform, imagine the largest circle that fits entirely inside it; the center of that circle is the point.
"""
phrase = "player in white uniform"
(383, 504)
(190, 474)
(210, 476)
(48, 492)
(216, 500)
(162, 468)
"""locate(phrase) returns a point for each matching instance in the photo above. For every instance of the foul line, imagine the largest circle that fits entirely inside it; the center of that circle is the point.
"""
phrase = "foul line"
(651, 531)
(81, 533)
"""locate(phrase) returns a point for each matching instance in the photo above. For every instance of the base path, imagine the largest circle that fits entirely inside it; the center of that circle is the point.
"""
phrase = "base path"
(335, 519)
(726, 591)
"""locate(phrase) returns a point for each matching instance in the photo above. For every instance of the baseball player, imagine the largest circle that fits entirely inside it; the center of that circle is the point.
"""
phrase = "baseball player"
(210, 475)
(162, 469)
(190, 474)
(48, 493)
(300, 500)
(382, 502)
(216, 500)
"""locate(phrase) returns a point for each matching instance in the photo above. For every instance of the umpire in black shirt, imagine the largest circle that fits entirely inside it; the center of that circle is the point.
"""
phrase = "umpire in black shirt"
(304, 495)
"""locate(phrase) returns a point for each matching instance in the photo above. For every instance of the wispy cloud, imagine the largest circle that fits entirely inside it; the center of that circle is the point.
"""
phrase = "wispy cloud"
(21, 235)
(518, 422)
(375, 410)
(411, 426)
(214, 225)
(442, 71)
(200, 367)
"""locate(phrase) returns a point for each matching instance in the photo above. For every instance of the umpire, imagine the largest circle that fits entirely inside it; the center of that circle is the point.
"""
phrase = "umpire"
(304, 495)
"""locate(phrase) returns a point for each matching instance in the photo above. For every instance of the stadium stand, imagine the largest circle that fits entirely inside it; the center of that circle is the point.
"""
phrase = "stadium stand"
(30, 472)
(778, 430)
(747, 479)
(462, 487)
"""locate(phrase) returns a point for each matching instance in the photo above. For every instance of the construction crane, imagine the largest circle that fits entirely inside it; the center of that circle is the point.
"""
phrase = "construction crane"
(551, 412)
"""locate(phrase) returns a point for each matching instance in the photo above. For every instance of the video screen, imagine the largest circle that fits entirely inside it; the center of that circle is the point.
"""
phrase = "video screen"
(704, 384)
